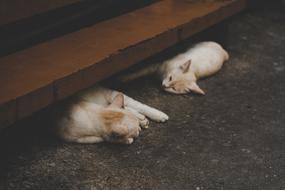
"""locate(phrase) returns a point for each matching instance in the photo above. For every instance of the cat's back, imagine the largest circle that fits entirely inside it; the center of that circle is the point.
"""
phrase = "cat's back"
(97, 95)
(74, 114)
(207, 58)
(174, 62)
(200, 51)
(209, 49)
(74, 119)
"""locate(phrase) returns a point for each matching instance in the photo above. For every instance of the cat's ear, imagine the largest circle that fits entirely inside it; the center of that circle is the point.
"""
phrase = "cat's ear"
(118, 101)
(186, 66)
(195, 88)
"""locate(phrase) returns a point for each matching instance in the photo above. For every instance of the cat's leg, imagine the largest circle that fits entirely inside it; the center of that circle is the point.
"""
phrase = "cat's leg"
(146, 110)
(92, 139)
(89, 139)
(128, 141)
(147, 70)
(144, 123)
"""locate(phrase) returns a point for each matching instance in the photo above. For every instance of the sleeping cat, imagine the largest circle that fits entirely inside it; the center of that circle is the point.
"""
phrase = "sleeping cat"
(100, 114)
(179, 75)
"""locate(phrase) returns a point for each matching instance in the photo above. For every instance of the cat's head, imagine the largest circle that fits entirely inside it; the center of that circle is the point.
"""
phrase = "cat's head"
(181, 80)
(121, 126)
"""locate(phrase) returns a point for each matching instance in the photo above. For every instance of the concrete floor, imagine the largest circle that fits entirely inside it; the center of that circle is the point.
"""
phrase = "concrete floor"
(232, 138)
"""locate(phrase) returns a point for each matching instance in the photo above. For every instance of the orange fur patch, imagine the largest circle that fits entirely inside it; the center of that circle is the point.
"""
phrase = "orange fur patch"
(179, 85)
(110, 117)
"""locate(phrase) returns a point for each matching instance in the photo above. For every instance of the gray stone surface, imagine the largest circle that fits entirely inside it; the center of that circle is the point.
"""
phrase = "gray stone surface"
(232, 138)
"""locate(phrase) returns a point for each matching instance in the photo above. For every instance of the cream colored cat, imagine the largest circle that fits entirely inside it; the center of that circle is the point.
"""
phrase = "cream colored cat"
(100, 114)
(179, 75)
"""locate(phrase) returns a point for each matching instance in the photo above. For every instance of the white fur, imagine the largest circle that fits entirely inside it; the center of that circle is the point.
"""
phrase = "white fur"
(205, 59)
(179, 75)
(82, 121)
(104, 96)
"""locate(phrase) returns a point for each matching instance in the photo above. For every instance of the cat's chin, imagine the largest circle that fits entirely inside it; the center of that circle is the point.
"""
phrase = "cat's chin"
(170, 90)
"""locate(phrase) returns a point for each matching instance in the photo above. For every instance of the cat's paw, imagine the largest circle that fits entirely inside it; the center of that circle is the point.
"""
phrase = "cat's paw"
(144, 123)
(159, 116)
(129, 141)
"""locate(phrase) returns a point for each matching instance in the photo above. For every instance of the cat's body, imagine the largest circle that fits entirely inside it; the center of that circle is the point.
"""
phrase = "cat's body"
(206, 59)
(180, 74)
(100, 114)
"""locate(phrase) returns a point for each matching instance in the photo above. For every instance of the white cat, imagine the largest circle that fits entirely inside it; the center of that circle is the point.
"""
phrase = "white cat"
(179, 75)
(100, 114)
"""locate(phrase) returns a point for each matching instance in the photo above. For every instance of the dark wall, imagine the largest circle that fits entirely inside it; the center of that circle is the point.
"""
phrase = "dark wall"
(266, 2)
(56, 22)
(12, 10)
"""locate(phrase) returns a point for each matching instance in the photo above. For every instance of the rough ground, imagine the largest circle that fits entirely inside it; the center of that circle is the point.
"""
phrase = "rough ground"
(232, 138)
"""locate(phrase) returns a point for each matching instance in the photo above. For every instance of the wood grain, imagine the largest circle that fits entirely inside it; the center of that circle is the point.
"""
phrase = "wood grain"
(80, 59)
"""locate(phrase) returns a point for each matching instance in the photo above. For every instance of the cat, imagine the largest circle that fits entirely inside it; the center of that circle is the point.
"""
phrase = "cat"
(179, 75)
(101, 114)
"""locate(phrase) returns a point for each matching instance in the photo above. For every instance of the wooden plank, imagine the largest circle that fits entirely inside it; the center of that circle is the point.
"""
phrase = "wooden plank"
(8, 114)
(210, 19)
(79, 59)
(13, 10)
(86, 77)
(34, 101)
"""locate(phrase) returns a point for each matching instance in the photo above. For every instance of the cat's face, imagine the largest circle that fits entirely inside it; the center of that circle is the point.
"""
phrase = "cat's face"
(181, 81)
(121, 125)
(177, 82)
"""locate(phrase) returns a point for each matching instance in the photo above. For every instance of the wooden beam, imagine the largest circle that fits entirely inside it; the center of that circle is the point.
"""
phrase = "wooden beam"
(63, 66)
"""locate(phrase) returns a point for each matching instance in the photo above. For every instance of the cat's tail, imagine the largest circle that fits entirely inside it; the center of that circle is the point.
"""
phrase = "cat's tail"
(147, 70)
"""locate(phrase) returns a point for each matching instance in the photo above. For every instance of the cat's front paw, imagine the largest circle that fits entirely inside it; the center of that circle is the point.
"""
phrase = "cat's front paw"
(129, 141)
(144, 123)
(160, 116)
